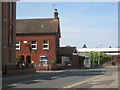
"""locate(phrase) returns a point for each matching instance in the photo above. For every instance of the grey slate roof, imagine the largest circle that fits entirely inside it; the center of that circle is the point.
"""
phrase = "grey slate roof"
(37, 26)
(66, 50)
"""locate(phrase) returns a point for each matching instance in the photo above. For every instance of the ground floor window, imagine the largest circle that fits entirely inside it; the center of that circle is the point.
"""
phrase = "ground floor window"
(43, 59)
(65, 60)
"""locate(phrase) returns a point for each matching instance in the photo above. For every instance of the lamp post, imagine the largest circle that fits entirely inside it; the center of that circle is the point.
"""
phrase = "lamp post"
(99, 56)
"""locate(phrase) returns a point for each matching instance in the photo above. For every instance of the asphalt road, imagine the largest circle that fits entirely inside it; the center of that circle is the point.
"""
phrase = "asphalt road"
(76, 77)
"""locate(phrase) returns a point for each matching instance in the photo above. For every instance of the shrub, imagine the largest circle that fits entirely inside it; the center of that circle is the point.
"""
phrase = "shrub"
(17, 59)
(52, 61)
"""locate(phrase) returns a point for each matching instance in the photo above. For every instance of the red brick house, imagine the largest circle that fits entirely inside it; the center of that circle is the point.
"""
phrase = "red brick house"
(37, 40)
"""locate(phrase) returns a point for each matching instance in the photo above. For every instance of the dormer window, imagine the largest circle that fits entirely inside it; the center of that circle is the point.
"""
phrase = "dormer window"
(45, 45)
(34, 45)
(75, 52)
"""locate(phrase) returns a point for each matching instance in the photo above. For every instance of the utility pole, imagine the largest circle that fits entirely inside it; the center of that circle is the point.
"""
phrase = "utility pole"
(99, 56)
(54, 6)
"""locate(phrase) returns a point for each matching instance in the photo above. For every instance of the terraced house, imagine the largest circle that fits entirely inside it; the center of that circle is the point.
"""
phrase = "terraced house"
(37, 40)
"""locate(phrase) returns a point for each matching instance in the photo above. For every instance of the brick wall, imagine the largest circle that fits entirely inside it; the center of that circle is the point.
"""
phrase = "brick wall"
(75, 61)
(8, 51)
(35, 54)
(116, 58)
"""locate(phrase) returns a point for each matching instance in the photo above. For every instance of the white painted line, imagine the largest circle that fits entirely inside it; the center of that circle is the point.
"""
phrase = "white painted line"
(14, 84)
(54, 77)
(82, 82)
(38, 80)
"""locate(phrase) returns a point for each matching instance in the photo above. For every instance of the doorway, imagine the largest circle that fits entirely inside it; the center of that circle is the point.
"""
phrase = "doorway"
(28, 61)
(21, 59)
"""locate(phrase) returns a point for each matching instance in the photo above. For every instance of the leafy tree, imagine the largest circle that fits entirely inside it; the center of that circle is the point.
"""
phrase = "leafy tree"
(68, 46)
(99, 56)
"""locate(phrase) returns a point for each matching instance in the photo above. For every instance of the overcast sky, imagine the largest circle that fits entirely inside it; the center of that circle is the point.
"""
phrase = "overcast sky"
(90, 23)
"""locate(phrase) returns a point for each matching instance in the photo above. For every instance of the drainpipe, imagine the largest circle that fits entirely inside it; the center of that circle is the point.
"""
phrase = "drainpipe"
(99, 56)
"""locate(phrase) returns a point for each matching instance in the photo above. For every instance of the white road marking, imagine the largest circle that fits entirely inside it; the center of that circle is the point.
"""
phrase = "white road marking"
(54, 77)
(14, 84)
(38, 80)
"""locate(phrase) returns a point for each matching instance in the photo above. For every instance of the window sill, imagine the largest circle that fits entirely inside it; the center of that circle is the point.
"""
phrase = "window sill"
(34, 49)
(45, 49)
(17, 49)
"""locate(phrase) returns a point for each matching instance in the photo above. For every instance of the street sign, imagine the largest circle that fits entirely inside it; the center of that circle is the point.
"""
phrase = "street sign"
(46, 57)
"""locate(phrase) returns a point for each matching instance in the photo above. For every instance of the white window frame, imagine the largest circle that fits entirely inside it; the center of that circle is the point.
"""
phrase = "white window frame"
(43, 60)
(18, 45)
(46, 44)
(34, 44)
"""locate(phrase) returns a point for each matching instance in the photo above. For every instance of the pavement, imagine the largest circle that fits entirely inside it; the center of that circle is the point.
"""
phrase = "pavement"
(106, 81)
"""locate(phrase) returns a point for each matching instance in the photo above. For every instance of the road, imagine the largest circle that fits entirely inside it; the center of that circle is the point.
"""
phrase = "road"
(73, 78)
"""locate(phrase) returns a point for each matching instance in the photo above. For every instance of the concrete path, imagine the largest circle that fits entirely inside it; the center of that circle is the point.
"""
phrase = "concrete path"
(106, 81)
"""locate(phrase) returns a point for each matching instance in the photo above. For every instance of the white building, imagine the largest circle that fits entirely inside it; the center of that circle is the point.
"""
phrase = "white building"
(110, 51)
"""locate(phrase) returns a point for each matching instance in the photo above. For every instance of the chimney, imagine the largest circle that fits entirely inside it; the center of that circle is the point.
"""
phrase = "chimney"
(84, 46)
(56, 14)
(110, 47)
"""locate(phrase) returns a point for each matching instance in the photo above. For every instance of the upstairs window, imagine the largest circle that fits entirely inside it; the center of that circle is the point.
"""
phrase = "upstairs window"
(11, 35)
(17, 45)
(34, 45)
(45, 45)
(11, 9)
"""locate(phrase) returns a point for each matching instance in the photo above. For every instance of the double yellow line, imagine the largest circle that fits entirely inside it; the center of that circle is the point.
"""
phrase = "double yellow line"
(79, 83)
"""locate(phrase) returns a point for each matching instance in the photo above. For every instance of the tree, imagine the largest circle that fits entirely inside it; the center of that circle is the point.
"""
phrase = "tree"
(68, 46)
(99, 56)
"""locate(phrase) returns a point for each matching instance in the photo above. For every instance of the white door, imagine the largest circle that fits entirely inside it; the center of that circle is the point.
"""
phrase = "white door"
(87, 62)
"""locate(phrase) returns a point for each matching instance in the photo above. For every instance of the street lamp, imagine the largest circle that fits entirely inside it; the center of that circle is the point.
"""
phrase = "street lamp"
(99, 56)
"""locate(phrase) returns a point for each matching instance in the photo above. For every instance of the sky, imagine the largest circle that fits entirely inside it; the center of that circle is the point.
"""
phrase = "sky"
(92, 23)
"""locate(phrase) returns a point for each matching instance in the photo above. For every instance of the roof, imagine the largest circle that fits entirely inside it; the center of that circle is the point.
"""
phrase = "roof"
(84, 54)
(97, 49)
(37, 26)
(66, 50)
(111, 51)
